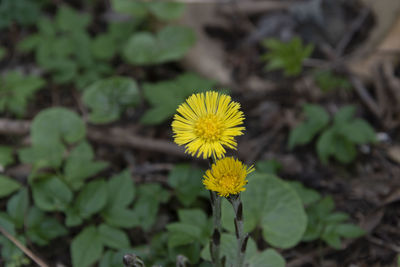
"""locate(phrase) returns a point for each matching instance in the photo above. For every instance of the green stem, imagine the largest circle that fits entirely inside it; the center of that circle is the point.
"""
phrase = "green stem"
(216, 237)
(241, 236)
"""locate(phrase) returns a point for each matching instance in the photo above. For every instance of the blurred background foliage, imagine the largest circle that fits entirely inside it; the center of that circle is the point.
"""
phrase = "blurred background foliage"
(71, 70)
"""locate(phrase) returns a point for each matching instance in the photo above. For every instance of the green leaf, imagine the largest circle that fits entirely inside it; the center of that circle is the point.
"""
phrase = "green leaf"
(7, 223)
(86, 247)
(121, 190)
(3, 52)
(317, 119)
(166, 96)
(17, 207)
(171, 43)
(112, 258)
(358, 131)
(42, 229)
(130, 7)
(288, 56)
(272, 204)
(345, 151)
(349, 230)
(29, 43)
(142, 48)
(328, 81)
(267, 258)
(163, 10)
(92, 198)
(120, 217)
(16, 90)
(51, 194)
(332, 239)
(103, 47)
(324, 207)
(166, 10)
(325, 145)
(187, 183)
(80, 165)
(73, 218)
(194, 217)
(268, 166)
(68, 19)
(336, 217)
(150, 196)
(193, 226)
(8, 186)
(6, 156)
(43, 155)
(108, 98)
(23, 12)
(182, 234)
(113, 237)
(55, 125)
(345, 114)
(11, 253)
(307, 195)
(229, 248)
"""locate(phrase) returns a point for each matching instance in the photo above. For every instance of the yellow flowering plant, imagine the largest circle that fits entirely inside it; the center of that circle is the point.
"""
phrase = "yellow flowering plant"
(206, 124)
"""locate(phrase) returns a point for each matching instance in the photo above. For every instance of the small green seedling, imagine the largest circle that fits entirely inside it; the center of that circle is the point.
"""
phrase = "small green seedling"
(288, 56)
(328, 81)
(323, 222)
(337, 139)
(16, 90)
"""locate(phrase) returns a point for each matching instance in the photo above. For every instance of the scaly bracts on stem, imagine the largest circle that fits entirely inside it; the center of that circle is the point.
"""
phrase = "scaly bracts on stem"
(241, 236)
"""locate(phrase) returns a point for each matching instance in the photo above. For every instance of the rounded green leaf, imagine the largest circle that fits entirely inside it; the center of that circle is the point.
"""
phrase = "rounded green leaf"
(141, 48)
(166, 10)
(86, 247)
(55, 125)
(174, 42)
(273, 205)
(171, 43)
(8, 186)
(108, 98)
(131, 7)
(267, 258)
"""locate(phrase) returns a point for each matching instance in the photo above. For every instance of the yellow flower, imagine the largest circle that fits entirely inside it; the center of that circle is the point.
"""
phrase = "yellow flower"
(206, 123)
(227, 177)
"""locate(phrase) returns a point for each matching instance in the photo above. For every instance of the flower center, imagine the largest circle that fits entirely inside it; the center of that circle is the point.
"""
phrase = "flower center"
(209, 128)
(228, 181)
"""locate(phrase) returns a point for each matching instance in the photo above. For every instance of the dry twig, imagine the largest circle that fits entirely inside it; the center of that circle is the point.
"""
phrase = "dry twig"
(24, 249)
(114, 136)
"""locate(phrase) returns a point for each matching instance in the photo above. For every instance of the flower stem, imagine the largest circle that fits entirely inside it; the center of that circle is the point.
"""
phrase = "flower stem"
(216, 237)
(241, 236)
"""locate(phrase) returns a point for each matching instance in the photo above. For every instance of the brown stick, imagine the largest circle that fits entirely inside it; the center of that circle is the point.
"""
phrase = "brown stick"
(113, 136)
(366, 97)
(24, 249)
(14, 127)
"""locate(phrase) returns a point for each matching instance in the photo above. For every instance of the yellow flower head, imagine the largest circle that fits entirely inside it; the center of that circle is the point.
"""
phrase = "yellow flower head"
(227, 177)
(206, 123)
